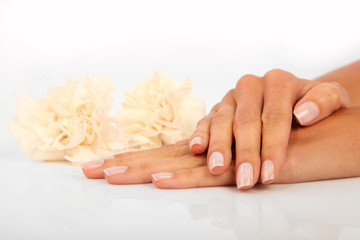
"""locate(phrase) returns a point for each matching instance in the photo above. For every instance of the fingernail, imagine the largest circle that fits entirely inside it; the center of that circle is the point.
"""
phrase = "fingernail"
(195, 140)
(115, 170)
(93, 164)
(245, 175)
(267, 171)
(161, 176)
(216, 160)
(306, 112)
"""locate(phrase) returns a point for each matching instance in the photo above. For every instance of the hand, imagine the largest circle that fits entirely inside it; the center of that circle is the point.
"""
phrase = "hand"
(327, 150)
(258, 114)
(157, 164)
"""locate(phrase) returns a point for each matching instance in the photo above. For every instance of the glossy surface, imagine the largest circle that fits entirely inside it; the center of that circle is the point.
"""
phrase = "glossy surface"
(55, 201)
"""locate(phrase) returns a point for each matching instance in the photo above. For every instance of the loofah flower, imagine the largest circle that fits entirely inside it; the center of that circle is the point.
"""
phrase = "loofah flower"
(72, 123)
(159, 111)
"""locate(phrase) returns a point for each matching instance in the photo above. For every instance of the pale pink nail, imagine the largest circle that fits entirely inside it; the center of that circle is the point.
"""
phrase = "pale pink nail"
(115, 170)
(306, 112)
(267, 171)
(162, 176)
(195, 140)
(93, 164)
(245, 175)
(216, 160)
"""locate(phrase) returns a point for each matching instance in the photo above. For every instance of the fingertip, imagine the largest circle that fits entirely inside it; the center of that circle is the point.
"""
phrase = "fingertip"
(267, 172)
(216, 163)
(85, 173)
(245, 187)
(197, 145)
(92, 164)
(93, 169)
(306, 113)
(161, 180)
(197, 149)
(245, 176)
(218, 170)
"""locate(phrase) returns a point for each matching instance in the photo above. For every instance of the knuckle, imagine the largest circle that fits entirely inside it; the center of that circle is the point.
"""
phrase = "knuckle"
(331, 93)
(145, 167)
(230, 93)
(274, 115)
(215, 107)
(219, 117)
(189, 174)
(226, 109)
(202, 122)
(224, 114)
(245, 80)
(279, 78)
(246, 117)
(275, 73)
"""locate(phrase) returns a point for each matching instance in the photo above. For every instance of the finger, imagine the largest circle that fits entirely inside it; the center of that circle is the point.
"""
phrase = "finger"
(169, 147)
(319, 102)
(221, 136)
(279, 97)
(200, 139)
(192, 178)
(141, 173)
(95, 169)
(247, 130)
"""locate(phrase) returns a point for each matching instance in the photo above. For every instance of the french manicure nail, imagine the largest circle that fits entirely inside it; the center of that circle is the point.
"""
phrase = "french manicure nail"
(267, 171)
(245, 175)
(162, 176)
(306, 112)
(115, 170)
(92, 164)
(195, 140)
(216, 160)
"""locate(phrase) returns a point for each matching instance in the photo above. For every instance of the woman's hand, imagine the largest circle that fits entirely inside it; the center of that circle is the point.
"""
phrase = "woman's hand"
(172, 161)
(258, 115)
(327, 150)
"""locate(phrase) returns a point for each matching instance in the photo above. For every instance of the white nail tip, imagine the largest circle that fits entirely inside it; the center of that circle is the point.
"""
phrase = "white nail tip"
(115, 170)
(306, 112)
(267, 170)
(162, 176)
(195, 140)
(244, 176)
(216, 160)
(93, 164)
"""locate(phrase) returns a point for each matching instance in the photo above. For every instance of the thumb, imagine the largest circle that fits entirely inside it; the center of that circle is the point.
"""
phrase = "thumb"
(320, 102)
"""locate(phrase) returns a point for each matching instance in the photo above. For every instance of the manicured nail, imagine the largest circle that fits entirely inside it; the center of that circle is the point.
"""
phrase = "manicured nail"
(245, 175)
(216, 160)
(195, 140)
(93, 164)
(115, 170)
(162, 175)
(306, 112)
(267, 171)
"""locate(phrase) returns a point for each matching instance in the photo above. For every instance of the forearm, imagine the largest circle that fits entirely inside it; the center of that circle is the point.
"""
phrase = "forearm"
(349, 77)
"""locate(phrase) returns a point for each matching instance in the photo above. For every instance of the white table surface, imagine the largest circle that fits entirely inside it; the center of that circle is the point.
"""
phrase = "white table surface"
(213, 43)
(42, 200)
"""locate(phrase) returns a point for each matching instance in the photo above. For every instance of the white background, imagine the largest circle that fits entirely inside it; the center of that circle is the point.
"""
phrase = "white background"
(213, 43)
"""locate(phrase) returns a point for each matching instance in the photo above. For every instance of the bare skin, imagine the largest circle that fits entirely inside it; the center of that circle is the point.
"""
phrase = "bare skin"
(329, 149)
(258, 114)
